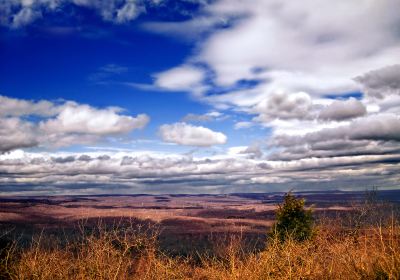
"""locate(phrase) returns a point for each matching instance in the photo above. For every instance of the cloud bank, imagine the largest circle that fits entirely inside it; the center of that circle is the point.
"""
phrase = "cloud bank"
(133, 172)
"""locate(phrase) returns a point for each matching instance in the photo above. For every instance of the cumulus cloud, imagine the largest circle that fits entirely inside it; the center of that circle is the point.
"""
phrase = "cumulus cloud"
(376, 127)
(181, 78)
(84, 158)
(343, 109)
(15, 133)
(63, 159)
(186, 134)
(253, 150)
(381, 82)
(60, 124)
(21, 107)
(74, 118)
(293, 39)
(281, 105)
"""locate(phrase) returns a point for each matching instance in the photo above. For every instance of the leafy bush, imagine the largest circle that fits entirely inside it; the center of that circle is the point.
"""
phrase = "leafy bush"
(293, 220)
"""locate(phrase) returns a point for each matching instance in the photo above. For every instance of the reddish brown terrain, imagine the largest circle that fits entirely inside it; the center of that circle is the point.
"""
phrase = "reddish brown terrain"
(188, 213)
(185, 221)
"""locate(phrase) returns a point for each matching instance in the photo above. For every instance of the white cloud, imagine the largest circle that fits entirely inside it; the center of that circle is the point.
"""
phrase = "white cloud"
(133, 172)
(114, 10)
(25, 16)
(292, 47)
(210, 116)
(388, 104)
(181, 78)
(385, 127)
(254, 151)
(61, 124)
(191, 30)
(297, 38)
(343, 109)
(299, 54)
(381, 82)
(20, 13)
(293, 55)
(281, 105)
(15, 133)
(74, 118)
(107, 73)
(241, 125)
(301, 127)
(186, 134)
(377, 134)
(128, 12)
(376, 127)
(21, 107)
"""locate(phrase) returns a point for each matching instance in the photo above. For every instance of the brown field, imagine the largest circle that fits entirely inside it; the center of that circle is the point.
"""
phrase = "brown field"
(187, 213)
(190, 213)
(196, 237)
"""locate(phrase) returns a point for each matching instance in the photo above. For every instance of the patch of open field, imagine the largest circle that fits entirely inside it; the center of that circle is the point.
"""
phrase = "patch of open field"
(191, 213)
(176, 213)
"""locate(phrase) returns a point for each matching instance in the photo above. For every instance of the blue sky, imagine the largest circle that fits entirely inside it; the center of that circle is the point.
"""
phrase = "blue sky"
(99, 69)
(191, 96)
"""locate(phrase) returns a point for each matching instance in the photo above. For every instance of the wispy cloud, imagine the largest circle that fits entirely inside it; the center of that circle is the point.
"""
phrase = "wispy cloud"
(19, 13)
(106, 73)
(207, 117)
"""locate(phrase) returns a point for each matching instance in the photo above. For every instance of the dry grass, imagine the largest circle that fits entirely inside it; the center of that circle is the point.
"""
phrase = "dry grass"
(360, 250)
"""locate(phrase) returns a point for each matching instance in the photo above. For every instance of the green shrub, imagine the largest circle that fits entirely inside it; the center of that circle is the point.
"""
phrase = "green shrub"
(293, 220)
